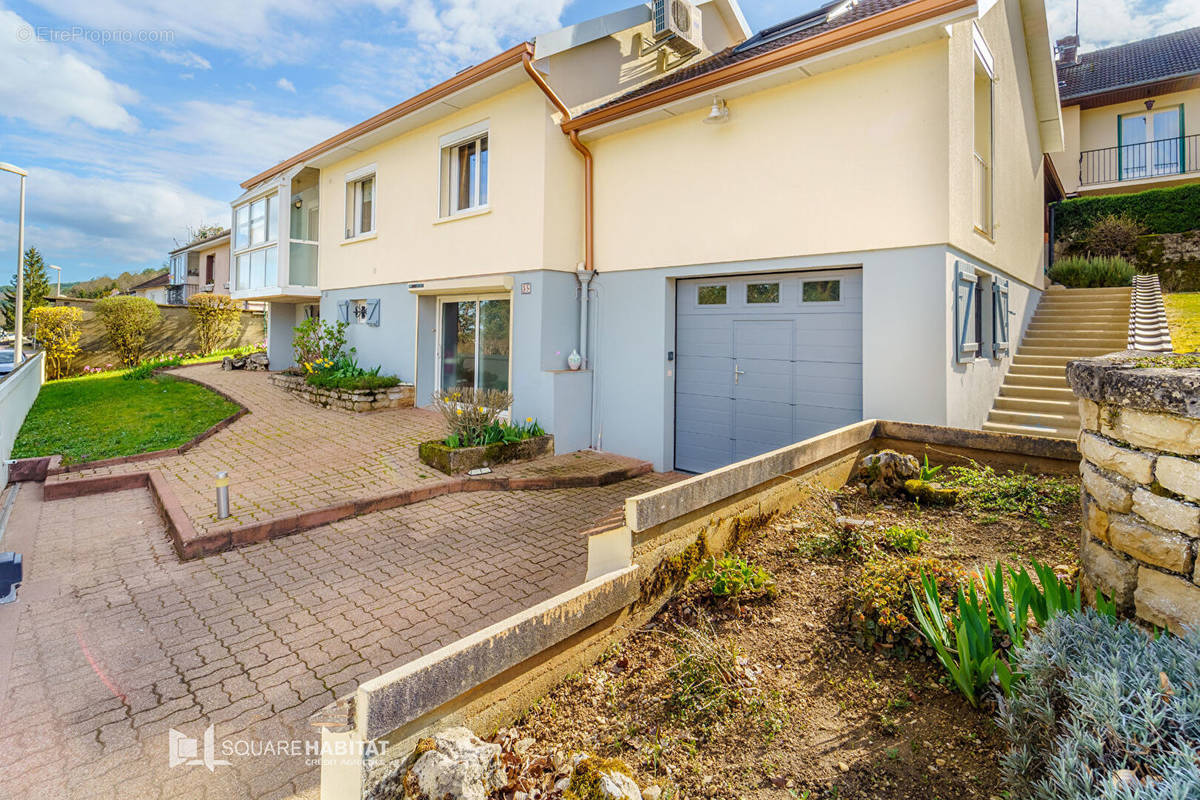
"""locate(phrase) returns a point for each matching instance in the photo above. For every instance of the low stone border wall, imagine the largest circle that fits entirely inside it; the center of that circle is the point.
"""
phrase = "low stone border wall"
(1141, 486)
(39, 468)
(399, 396)
(456, 460)
(485, 680)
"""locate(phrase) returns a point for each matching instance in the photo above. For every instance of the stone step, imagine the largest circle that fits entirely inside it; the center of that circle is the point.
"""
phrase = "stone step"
(1108, 341)
(1027, 392)
(1016, 380)
(1059, 407)
(1033, 430)
(1067, 351)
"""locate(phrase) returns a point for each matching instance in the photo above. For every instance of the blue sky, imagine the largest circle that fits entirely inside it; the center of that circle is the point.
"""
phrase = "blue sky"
(138, 118)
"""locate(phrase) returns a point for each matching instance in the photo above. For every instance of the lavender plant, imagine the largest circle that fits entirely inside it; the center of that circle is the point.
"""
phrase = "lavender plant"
(1105, 712)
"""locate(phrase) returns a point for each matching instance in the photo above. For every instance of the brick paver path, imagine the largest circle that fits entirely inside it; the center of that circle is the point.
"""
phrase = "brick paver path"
(115, 641)
(287, 455)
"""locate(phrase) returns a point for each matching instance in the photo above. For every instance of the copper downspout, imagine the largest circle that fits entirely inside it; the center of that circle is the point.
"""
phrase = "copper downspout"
(588, 238)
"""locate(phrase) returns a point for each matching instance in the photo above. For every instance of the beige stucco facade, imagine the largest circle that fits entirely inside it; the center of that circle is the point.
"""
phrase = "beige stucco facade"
(1097, 128)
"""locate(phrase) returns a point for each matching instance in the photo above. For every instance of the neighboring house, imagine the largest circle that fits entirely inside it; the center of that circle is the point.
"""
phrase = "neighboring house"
(853, 235)
(200, 266)
(1131, 114)
(153, 289)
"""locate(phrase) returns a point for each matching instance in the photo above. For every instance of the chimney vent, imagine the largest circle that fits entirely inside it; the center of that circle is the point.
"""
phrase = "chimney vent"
(1067, 50)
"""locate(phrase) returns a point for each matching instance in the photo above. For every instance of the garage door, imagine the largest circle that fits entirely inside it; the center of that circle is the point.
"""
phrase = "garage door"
(764, 361)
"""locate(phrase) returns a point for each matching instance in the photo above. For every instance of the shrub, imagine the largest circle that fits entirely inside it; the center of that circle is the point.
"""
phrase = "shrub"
(361, 383)
(1077, 272)
(1104, 711)
(127, 320)
(731, 576)
(1173, 210)
(314, 341)
(899, 537)
(881, 600)
(1113, 235)
(1019, 493)
(468, 412)
(216, 317)
(57, 330)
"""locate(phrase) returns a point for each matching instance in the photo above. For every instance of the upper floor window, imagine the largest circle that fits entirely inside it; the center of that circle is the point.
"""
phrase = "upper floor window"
(1151, 143)
(984, 147)
(255, 223)
(464, 170)
(360, 202)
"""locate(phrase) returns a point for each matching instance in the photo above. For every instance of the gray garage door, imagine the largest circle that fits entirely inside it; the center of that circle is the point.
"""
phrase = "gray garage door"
(764, 361)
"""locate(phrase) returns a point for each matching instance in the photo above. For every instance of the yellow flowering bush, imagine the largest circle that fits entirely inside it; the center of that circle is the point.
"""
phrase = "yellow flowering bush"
(57, 331)
(881, 611)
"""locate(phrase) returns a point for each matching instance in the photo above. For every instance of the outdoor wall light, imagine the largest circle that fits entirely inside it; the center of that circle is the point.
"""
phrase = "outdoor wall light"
(1149, 104)
(719, 113)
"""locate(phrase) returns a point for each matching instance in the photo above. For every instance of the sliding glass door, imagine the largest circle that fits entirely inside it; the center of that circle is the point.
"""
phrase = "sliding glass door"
(1151, 143)
(474, 343)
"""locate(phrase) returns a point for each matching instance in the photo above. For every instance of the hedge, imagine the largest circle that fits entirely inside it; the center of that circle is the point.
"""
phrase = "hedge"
(1173, 210)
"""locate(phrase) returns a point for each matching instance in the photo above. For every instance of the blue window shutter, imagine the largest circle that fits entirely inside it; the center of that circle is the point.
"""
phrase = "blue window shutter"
(1000, 346)
(373, 312)
(964, 303)
(344, 311)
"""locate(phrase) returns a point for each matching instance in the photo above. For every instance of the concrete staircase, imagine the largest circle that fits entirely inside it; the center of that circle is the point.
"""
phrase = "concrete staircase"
(1068, 324)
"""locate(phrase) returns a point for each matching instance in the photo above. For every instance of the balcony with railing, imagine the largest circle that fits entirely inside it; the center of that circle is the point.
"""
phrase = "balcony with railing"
(1156, 161)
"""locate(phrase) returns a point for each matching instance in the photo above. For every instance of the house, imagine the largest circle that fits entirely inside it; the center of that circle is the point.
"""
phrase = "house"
(200, 266)
(750, 238)
(154, 289)
(1131, 114)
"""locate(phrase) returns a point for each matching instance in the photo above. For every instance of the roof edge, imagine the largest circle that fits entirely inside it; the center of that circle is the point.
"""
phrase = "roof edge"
(509, 58)
(875, 25)
(200, 244)
(1075, 99)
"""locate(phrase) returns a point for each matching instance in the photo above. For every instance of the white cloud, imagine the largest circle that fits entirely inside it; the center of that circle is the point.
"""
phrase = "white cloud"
(47, 85)
(261, 29)
(185, 58)
(117, 218)
(286, 85)
(1103, 23)
(466, 31)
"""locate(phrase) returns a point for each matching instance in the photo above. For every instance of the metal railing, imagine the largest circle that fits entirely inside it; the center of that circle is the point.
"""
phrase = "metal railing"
(983, 195)
(1134, 162)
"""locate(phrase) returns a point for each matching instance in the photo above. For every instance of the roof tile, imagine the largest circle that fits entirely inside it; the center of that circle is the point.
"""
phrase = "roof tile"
(1145, 61)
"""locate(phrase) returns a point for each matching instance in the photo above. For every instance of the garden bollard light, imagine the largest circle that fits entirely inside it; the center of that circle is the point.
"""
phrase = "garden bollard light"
(222, 495)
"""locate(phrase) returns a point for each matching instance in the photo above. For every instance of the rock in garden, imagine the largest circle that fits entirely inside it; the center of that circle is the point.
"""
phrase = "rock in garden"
(931, 494)
(456, 765)
(886, 471)
(254, 361)
(608, 778)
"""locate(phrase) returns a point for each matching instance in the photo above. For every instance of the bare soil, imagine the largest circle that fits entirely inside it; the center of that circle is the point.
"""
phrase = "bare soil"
(815, 715)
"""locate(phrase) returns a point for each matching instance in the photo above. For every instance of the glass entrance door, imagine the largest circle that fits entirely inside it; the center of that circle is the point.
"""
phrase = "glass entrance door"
(1150, 143)
(474, 341)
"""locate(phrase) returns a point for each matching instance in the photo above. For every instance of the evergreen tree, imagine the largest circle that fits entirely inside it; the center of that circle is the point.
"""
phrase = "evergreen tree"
(37, 289)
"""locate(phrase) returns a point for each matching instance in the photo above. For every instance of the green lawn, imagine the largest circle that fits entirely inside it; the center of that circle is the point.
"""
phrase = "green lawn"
(1183, 315)
(104, 416)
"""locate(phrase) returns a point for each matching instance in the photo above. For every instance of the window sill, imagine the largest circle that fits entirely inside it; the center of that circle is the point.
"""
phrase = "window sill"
(981, 232)
(474, 212)
(366, 237)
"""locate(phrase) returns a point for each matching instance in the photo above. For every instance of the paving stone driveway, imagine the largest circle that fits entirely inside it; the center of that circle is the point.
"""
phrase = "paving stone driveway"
(114, 641)
(287, 455)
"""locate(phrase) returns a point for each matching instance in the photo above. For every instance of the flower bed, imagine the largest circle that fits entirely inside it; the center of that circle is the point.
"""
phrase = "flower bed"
(456, 460)
(398, 396)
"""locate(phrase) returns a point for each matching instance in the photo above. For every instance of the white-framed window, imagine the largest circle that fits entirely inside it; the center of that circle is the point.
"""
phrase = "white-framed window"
(464, 170)
(984, 138)
(360, 202)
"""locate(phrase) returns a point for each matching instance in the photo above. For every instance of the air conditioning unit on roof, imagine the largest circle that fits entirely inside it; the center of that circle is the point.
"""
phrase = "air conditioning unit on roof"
(679, 20)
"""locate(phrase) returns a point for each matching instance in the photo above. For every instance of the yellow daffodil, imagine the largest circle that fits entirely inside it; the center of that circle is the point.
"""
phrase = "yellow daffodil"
(460, 411)
(529, 419)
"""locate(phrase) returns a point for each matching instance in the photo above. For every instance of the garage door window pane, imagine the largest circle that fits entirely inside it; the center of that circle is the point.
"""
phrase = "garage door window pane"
(822, 291)
(712, 295)
(762, 293)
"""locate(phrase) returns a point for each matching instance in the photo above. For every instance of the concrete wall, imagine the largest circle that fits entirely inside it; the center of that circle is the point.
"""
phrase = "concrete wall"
(1017, 242)
(281, 319)
(849, 160)
(17, 393)
(174, 333)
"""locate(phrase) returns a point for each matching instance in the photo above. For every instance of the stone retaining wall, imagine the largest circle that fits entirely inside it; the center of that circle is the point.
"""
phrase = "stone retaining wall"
(1140, 448)
(400, 396)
